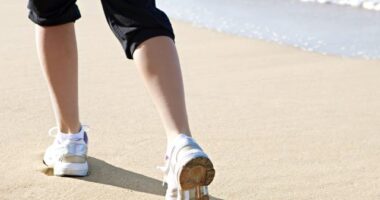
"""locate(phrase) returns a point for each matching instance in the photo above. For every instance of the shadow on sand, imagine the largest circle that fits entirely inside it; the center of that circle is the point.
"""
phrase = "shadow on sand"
(104, 173)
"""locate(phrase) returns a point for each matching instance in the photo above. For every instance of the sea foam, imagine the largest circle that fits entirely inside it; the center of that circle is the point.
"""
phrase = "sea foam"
(334, 30)
(366, 4)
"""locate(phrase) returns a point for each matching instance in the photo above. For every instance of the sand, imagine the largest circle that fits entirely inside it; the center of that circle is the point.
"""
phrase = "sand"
(279, 123)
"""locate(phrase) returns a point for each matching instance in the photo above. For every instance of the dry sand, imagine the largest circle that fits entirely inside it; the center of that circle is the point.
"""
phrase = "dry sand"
(279, 123)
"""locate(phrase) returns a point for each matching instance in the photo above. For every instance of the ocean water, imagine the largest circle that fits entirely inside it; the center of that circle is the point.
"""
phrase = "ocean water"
(365, 4)
(325, 28)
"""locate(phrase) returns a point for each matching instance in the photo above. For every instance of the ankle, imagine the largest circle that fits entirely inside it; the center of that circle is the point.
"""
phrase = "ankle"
(172, 135)
(70, 129)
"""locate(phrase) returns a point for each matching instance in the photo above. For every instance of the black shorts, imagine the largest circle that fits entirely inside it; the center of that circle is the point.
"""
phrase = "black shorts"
(132, 21)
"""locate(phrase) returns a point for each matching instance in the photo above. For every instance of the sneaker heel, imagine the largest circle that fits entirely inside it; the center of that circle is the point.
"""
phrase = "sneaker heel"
(197, 193)
(71, 169)
(197, 172)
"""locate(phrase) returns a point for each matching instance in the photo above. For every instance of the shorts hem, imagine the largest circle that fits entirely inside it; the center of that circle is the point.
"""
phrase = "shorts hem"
(69, 17)
(145, 35)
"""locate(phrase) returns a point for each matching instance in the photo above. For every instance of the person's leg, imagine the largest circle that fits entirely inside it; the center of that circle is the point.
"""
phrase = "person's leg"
(57, 52)
(159, 67)
(158, 64)
(146, 35)
(139, 24)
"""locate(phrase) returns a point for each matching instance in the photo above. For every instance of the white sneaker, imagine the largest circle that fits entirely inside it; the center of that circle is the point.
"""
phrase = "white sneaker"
(68, 157)
(188, 170)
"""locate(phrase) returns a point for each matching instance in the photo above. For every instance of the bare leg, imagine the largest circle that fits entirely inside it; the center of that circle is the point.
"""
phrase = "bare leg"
(57, 52)
(158, 64)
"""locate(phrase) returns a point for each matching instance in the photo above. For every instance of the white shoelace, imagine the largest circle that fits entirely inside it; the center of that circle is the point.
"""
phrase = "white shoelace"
(164, 169)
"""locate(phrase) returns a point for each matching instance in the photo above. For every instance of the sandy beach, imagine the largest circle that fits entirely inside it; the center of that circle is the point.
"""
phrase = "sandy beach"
(279, 123)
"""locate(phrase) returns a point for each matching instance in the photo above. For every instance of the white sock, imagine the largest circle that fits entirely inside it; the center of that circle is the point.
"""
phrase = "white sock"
(71, 136)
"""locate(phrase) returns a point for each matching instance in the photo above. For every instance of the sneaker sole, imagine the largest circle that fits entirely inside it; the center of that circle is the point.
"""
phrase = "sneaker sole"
(71, 169)
(195, 176)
